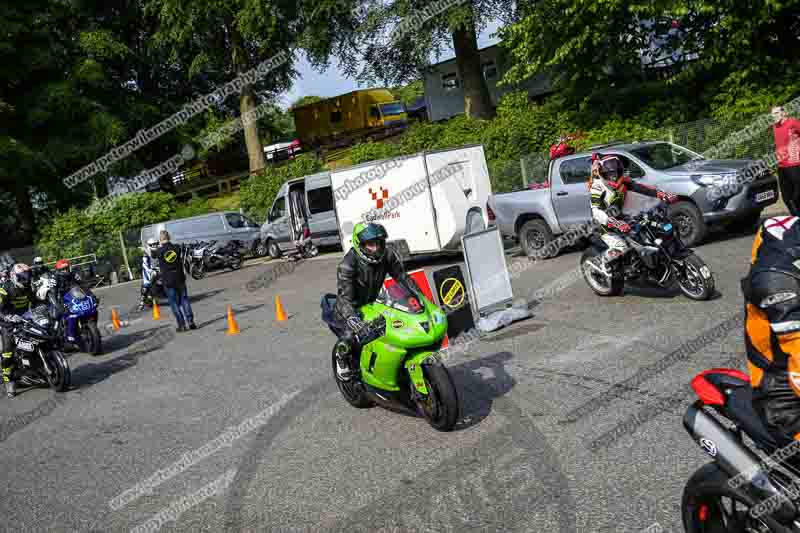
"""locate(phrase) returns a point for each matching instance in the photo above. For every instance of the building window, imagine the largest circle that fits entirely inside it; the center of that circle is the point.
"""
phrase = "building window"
(336, 116)
(489, 70)
(450, 81)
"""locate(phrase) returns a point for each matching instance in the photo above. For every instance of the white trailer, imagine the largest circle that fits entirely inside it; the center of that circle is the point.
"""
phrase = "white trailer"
(426, 201)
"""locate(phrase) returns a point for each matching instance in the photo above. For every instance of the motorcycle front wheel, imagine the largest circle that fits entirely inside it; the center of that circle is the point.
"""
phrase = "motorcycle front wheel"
(353, 390)
(696, 280)
(601, 284)
(92, 341)
(198, 271)
(711, 505)
(440, 407)
(60, 376)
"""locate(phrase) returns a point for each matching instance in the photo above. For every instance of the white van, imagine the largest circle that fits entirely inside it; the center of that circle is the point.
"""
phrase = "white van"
(308, 199)
(442, 196)
(221, 227)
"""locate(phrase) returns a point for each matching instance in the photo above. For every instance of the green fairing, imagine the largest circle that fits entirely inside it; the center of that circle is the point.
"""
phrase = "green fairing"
(407, 345)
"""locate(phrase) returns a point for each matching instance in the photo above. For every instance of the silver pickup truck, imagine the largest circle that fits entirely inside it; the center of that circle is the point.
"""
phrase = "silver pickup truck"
(536, 215)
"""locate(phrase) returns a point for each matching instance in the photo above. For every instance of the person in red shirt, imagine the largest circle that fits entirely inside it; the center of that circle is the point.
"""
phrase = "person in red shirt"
(787, 148)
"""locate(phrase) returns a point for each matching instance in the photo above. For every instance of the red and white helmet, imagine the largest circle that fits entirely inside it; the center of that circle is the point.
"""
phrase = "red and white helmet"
(21, 275)
(609, 167)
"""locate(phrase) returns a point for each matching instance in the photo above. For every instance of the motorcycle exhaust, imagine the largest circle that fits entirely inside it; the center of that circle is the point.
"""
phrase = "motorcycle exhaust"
(737, 461)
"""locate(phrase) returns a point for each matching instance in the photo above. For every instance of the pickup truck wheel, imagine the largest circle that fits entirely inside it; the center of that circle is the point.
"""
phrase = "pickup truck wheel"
(534, 236)
(689, 221)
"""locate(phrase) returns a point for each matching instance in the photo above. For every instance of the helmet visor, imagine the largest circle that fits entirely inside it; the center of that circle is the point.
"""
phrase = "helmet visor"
(611, 168)
(23, 278)
(374, 248)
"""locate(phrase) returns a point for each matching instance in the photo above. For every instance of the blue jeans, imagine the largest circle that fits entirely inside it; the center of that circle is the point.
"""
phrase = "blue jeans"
(179, 303)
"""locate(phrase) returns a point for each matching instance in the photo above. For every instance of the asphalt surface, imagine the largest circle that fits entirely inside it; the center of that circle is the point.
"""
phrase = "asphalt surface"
(208, 432)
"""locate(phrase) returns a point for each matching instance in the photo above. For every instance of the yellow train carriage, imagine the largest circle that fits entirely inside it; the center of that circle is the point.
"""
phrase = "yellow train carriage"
(348, 116)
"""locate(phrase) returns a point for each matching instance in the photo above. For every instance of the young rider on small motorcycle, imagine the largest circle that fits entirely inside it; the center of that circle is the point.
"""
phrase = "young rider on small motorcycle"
(608, 190)
(360, 277)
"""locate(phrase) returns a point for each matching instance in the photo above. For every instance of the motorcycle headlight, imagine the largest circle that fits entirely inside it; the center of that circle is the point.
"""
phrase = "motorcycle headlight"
(667, 227)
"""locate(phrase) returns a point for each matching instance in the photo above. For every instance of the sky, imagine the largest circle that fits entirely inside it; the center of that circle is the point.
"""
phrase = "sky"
(332, 83)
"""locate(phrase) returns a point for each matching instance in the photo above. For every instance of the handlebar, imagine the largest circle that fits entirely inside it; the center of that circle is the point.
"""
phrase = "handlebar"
(372, 330)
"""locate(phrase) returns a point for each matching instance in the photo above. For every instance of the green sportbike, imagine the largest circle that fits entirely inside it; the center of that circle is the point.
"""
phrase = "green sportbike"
(400, 360)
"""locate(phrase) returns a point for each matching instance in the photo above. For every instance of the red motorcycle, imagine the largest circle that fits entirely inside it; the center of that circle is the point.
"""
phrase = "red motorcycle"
(738, 491)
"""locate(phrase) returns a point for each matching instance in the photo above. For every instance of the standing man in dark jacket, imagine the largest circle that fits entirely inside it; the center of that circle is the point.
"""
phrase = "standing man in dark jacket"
(360, 277)
(171, 261)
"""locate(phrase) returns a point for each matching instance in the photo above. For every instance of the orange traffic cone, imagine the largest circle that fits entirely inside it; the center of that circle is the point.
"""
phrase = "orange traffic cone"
(446, 341)
(156, 310)
(280, 314)
(233, 327)
(115, 318)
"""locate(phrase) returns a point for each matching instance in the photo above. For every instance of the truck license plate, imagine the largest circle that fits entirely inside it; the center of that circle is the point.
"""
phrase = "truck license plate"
(764, 196)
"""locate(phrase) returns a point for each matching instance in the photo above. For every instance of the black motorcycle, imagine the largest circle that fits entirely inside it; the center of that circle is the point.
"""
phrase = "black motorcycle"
(737, 491)
(37, 359)
(203, 257)
(657, 257)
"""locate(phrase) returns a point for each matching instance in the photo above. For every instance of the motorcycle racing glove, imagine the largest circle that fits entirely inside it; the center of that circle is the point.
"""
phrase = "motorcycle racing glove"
(667, 197)
(13, 319)
(619, 225)
(356, 324)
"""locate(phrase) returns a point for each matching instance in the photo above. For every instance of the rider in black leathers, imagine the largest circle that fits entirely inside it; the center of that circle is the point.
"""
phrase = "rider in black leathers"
(360, 277)
(16, 297)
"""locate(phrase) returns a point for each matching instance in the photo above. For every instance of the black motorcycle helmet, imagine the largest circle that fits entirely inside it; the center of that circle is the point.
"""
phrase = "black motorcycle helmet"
(367, 234)
(611, 167)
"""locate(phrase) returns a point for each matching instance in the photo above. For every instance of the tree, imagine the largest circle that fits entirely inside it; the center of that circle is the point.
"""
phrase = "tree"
(305, 100)
(408, 94)
(231, 38)
(598, 44)
(416, 31)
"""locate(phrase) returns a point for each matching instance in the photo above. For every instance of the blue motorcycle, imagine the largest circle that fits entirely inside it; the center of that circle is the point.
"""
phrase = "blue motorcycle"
(78, 326)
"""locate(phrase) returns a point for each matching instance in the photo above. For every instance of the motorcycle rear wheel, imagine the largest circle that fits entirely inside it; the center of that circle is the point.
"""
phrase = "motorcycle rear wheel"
(440, 407)
(711, 505)
(236, 262)
(699, 287)
(61, 377)
(92, 340)
(353, 390)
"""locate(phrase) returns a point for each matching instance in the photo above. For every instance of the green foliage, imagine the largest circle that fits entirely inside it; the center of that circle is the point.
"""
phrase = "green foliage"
(739, 99)
(259, 191)
(373, 151)
(305, 100)
(408, 94)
